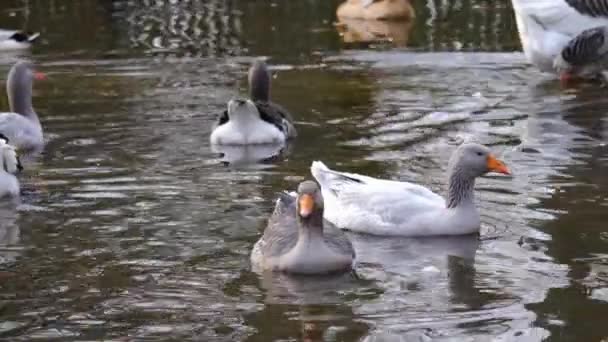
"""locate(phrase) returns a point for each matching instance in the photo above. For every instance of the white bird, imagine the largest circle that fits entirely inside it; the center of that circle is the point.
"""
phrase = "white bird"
(555, 37)
(16, 40)
(296, 240)
(254, 121)
(9, 165)
(21, 125)
(385, 207)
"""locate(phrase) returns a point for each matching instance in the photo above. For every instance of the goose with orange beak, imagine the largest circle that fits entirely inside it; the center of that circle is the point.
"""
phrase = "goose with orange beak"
(22, 126)
(385, 207)
(295, 240)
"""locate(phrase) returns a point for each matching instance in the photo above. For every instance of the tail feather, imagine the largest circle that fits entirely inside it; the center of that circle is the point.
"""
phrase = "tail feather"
(33, 37)
(324, 175)
(320, 172)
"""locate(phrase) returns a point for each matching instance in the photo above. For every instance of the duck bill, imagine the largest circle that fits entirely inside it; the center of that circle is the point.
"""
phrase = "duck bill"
(495, 165)
(306, 204)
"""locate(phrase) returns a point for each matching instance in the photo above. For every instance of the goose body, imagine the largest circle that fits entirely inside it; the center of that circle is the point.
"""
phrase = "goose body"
(16, 40)
(9, 165)
(547, 27)
(245, 125)
(385, 207)
(296, 241)
(21, 126)
(257, 120)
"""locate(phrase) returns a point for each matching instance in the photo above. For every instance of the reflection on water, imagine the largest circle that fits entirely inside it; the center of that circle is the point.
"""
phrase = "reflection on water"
(369, 31)
(9, 233)
(133, 227)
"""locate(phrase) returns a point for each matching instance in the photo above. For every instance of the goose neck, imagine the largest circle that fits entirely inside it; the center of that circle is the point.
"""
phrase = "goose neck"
(20, 99)
(460, 188)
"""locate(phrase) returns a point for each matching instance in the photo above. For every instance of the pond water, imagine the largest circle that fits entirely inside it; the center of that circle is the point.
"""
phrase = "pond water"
(132, 228)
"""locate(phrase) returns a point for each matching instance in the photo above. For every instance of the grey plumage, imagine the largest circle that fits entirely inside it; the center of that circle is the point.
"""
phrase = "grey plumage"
(459, 189)
(22, 125)
(468, 162)
(594, 8)
(586, 48)
(281, 234)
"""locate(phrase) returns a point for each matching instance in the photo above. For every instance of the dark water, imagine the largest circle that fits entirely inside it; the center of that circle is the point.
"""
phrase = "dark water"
(132, 228)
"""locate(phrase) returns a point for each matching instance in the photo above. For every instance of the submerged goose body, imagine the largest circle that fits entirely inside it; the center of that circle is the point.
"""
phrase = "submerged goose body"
(554, 34)
(295, 240)
(386, 207)
(16, 40)
(21, 125)
(9, 165)
(257, 120)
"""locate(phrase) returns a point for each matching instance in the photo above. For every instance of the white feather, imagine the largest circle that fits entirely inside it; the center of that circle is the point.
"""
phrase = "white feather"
(546, 26)
(386, 207)
(245, 127)
(9, 185)
(22, 132)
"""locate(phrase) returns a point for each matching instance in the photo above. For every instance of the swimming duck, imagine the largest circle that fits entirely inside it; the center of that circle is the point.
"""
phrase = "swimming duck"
(295, 240)
(567, 36)
(257, 120)
(9, 165)
(15, 40)
(21, 125)
(376, 9)
(385, 207)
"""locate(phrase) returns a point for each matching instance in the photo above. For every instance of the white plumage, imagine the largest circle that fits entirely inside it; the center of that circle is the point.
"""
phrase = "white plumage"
(9, 164)
(547, 26)
(385, 207)
(16, 40)
(246, 127)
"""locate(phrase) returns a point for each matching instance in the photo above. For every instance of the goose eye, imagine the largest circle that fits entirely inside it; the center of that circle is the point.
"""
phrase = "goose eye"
(479, 154)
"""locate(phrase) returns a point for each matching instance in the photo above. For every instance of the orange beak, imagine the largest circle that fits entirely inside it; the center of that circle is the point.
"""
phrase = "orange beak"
(306, 205)
(39, 76)
(496, 165)
(565, 78)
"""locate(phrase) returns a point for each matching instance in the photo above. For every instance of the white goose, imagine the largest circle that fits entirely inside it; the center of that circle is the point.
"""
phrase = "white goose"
(9, 165)
(254, 121)
(296, 241)
(385, 207)
(16, 40)
(567, 36)
(22, 125)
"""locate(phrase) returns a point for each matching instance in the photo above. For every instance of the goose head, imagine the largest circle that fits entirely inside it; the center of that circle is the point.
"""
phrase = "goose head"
(309, 205)
(259, 81)
(473, 160)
